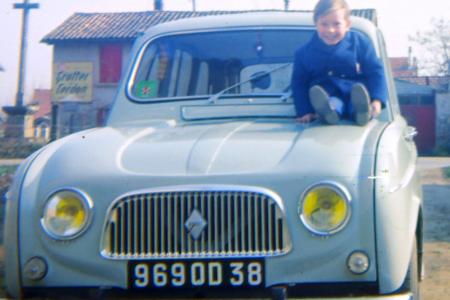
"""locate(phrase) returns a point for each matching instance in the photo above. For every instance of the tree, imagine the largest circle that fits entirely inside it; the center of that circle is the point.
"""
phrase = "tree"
(158, 5)
(435, 59)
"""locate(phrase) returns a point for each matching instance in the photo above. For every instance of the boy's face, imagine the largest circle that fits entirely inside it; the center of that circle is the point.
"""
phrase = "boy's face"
(332, 27)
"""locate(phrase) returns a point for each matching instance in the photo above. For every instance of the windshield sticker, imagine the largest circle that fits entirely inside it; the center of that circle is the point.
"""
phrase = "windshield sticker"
(147, 89)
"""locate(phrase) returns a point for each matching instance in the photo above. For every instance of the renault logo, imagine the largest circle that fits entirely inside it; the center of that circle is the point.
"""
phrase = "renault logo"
(195, 224)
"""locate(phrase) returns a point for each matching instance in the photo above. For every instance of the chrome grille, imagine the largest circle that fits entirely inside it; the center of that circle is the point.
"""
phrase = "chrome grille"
(159, 224)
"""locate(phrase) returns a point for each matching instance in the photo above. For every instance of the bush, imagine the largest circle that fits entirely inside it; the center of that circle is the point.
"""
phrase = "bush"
(442, 150)
(6, 176)
(15, 148)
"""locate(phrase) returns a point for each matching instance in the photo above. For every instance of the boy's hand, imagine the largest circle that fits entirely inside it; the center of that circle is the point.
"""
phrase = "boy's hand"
(306, 118)
(375, 110)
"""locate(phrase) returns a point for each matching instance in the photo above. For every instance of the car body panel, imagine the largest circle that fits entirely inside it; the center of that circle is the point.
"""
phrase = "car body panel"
(349, 170)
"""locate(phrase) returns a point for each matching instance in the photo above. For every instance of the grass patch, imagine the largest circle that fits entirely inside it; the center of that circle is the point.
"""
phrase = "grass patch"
(7, 170)
(446, 172)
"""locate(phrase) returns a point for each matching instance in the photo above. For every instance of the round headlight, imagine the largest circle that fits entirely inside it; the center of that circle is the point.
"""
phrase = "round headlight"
(325, 208)
(66, 214)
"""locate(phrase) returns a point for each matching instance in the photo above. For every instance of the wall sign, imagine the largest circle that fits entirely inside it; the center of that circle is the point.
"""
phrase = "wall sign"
(72, 82)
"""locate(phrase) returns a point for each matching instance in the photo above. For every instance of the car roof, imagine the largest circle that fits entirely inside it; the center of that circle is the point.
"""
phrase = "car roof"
(250, 19)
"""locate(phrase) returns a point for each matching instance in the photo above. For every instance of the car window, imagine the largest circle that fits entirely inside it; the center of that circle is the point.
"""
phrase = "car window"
(202, 64)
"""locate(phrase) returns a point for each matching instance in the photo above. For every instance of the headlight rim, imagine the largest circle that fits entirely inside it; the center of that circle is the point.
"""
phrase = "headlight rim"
(339, 189)
(88, 206)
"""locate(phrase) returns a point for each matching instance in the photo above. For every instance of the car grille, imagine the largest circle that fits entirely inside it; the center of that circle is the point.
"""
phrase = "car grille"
(217, 223)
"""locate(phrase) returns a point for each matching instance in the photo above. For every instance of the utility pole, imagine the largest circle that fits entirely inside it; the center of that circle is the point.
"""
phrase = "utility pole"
(286, 5)
(16, 113)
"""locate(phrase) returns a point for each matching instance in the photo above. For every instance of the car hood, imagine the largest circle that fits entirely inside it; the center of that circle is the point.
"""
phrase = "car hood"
(221, 148)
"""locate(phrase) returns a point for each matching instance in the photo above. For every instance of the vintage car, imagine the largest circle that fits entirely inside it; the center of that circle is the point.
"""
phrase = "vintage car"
(202, 183)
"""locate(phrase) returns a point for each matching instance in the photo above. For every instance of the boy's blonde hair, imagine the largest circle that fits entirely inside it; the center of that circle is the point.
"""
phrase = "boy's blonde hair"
(324, 7)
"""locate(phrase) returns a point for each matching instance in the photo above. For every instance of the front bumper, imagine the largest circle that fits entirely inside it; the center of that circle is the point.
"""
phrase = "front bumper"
(280, 294)
(407, 296)
(275, 293)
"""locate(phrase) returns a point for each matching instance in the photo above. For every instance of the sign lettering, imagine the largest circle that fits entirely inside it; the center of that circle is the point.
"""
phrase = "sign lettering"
(72, 82)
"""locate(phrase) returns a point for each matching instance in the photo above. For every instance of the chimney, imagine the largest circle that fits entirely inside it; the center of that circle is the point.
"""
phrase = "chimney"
(158, 5)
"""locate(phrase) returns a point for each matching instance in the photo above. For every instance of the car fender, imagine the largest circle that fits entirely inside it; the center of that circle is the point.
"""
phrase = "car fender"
(11, 230)
(398, 199)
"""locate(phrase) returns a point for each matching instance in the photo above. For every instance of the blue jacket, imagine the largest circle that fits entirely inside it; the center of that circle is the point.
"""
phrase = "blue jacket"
(336, 68)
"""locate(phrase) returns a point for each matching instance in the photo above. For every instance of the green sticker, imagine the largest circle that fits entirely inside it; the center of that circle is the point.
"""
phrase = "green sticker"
(147, 89)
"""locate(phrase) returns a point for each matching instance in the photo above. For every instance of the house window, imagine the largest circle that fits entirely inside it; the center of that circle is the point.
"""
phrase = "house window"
(110, 63)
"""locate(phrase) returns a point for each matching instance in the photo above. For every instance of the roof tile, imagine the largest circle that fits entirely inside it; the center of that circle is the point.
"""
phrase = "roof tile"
(127, 25)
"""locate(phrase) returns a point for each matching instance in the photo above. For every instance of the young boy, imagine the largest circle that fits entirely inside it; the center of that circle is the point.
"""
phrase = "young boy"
(337, 74)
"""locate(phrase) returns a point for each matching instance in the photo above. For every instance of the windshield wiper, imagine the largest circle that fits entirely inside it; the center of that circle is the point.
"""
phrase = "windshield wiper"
(255, 76)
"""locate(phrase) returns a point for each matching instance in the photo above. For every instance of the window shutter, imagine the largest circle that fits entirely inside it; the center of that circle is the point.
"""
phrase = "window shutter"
(110, 63)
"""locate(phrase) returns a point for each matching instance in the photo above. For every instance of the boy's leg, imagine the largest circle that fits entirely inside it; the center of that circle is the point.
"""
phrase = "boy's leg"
(361, 104)
(321, 103)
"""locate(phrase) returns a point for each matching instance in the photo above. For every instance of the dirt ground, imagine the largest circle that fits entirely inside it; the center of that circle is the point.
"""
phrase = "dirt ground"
(436, 191)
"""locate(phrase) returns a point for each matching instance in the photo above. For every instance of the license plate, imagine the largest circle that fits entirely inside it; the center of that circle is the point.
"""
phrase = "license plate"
(196, 273)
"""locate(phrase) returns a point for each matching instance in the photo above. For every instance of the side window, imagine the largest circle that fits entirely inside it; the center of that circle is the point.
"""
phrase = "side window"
(167, 71)
(110, 63)
(154, 73)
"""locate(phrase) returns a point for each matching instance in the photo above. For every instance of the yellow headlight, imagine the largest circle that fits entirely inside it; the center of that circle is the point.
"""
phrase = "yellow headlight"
(66, 214)
(324, 209)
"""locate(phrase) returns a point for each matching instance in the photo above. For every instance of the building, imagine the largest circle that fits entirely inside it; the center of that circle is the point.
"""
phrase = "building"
(418, 105)
(38, 117)
(425, 102)
(90, 52)
(404, 66)
(2, 116)
(2, 124)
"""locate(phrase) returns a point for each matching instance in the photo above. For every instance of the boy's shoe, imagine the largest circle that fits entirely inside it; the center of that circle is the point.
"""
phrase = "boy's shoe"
(361, 104)
(321, 103)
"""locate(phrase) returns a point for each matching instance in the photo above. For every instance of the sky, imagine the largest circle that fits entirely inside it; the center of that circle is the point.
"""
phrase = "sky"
(398, 19)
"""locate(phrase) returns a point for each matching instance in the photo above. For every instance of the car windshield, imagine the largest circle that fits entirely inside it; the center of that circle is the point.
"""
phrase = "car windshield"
(197, 65)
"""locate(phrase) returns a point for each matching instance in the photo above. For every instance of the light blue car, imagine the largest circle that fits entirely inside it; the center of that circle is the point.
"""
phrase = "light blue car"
(203, 185)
